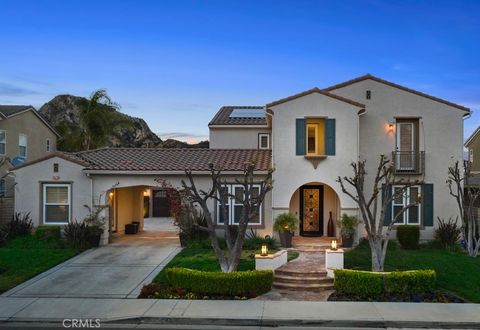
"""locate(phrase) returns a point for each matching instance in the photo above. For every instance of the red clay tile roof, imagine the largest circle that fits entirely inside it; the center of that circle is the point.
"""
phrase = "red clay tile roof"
(156, 159)
(316, 90)
(406, 89)
(223, 117)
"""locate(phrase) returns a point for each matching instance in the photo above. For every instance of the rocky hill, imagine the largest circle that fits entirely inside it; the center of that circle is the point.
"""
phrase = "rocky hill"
(64, 111)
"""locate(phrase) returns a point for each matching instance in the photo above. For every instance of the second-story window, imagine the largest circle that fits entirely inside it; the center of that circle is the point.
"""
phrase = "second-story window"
(49, 147)
(22, 145)
(470, 156)
(3, 142)
(315, 137)
(407, 158)
(263, 141)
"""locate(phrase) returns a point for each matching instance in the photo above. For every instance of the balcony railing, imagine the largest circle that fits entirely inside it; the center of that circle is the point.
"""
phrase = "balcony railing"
(408, 162)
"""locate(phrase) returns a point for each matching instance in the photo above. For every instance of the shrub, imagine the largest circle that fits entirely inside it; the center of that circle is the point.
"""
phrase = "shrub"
(408, 236)
(21, 224)
(372, 285)
(254, 242)
(48, 232)
(447, 233)
(252, 282)
(77, 234)
(348, 224)
(285, 222)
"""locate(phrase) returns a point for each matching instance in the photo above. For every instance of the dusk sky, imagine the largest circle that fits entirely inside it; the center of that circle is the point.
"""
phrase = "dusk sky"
(174, 63)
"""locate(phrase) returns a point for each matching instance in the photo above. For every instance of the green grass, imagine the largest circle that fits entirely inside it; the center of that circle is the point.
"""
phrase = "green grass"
(456, 272)
(205, 259)
(26, 256)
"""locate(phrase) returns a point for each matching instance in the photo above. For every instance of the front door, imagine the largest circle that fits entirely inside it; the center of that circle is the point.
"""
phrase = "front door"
(311, 210)
(161, 204)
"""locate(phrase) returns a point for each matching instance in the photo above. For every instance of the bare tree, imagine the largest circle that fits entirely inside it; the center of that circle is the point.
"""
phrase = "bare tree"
(466, 197)
(251, 202)
(373, 220)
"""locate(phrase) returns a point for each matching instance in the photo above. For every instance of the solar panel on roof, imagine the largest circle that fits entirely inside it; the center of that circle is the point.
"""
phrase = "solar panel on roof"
(247, 113)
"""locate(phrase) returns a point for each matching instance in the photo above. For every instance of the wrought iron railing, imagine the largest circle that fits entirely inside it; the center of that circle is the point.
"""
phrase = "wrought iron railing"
(408, 162)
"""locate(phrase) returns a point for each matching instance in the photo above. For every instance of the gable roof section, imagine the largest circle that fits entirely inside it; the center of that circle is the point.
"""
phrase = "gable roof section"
(319, 91)
(223, 117)
(157, 159)
(71, 157)
(391, 84)
(14, 110)
(472, 137)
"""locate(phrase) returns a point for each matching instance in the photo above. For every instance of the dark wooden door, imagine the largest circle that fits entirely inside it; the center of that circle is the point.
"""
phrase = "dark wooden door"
(161, 205)
(311, 210)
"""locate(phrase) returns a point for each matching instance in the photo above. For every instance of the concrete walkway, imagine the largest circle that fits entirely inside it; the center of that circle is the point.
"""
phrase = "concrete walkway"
(118, 270)
(253, 313)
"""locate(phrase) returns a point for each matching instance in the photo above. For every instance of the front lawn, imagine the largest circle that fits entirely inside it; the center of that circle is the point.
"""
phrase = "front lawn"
(27, 256)
(205, 259)
(456, 272)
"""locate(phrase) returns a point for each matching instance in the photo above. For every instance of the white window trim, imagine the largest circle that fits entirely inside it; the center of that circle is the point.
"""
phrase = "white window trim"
(44, 202)
(260, 135)
(470, 154)
(405, 200)
(26, 145)
(5, 142)
(231, 204)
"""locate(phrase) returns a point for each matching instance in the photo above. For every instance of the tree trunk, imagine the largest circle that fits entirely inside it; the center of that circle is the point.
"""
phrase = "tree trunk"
(378, 258)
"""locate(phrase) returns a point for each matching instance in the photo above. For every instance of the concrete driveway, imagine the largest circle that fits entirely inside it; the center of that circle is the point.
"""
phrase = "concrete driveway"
(118, 270)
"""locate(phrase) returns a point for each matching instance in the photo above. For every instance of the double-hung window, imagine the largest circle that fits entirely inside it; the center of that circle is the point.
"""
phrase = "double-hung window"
(233, 196)
(3, 142)
(56, 203)
(22, 145)
(49, 146)
(400, 200)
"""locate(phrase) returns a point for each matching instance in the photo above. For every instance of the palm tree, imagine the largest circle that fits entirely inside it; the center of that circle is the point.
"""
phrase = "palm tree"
(98, 119)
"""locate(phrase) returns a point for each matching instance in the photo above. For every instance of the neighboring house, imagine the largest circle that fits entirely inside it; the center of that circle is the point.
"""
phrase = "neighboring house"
(473, 151)
(24, 136)
(309, 138)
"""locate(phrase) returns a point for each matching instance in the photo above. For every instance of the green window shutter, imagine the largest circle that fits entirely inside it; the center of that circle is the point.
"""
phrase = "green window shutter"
(388, 212)
(301, 137)
(427, 201)
(330, 137)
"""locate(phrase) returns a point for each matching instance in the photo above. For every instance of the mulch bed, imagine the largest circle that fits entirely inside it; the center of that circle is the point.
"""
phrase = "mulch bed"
(432, 297)
(165, 291)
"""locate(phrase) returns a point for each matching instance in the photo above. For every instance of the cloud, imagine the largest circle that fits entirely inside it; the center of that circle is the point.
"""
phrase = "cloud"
(182, 136)
(15, 90)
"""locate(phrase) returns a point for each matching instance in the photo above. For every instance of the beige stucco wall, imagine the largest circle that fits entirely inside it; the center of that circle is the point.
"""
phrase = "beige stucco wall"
(235, 138)
(441, 136)
(37, 134)
(292, 171)
(29, 186)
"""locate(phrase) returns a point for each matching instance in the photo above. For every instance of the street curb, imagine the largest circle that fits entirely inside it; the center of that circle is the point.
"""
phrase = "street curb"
(297, 322)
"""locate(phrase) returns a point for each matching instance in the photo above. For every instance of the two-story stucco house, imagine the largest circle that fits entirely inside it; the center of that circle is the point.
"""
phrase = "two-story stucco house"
(24, 136)
(309, 138)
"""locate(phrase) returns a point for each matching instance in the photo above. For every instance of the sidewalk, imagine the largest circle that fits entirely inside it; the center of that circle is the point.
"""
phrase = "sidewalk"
(252, 312)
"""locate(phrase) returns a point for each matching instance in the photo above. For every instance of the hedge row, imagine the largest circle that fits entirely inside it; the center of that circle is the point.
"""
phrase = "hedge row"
(235, 283)
(371, 284)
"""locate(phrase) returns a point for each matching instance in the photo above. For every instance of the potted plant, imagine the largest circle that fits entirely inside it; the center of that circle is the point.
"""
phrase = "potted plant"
(285, 224)
(347, 226)
(95, 226)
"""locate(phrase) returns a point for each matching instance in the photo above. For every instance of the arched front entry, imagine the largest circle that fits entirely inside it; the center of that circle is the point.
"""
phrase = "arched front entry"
(317, 207)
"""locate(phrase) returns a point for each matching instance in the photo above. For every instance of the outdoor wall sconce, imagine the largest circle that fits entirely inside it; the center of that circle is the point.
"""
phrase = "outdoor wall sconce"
(390, 127)
(110, 194)
(264, 250)
(333, 245)
(145, 193)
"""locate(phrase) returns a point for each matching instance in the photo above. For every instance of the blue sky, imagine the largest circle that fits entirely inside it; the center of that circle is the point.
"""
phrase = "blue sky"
(174, 63)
